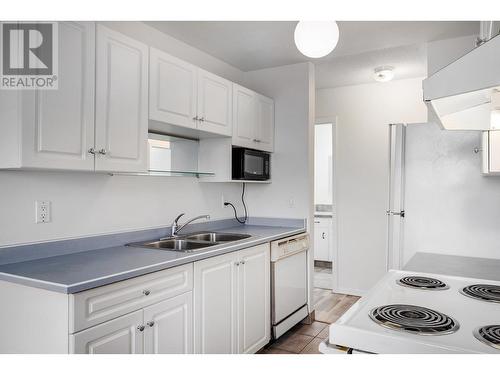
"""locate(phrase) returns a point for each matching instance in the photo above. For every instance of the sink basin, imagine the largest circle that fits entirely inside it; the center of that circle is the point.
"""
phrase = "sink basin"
(216, 237)
(191, 242)
(176, 245)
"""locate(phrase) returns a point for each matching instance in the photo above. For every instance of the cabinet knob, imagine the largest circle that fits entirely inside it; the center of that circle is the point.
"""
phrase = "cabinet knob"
(92, 151)
(195, 118)
(242, 262)
(150, 324)
(237, 263)
(146, 292)
(202, 119)
(141, 328)
(323, 235)
(103, 151)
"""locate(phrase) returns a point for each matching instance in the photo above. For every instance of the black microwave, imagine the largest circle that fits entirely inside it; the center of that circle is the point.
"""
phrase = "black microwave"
(250, 164)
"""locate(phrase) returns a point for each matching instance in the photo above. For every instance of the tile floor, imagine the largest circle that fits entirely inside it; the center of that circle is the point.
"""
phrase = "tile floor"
(305, 338)
(323, 278)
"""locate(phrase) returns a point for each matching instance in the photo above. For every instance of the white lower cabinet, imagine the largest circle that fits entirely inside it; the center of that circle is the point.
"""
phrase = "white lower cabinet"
(232, 303)
(122, 335)
(254, 328)
(169, 326)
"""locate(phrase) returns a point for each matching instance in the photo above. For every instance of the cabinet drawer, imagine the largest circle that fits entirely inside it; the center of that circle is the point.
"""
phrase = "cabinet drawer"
(98, 305)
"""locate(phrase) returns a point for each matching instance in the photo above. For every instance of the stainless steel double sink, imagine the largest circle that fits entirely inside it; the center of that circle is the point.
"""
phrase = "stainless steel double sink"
(192, 242)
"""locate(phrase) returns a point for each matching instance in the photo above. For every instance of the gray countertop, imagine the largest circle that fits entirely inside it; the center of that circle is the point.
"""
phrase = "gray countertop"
(76, 272)
(454, 265)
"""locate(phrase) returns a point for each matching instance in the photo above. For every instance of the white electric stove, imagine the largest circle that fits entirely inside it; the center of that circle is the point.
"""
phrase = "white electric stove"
(413, 312)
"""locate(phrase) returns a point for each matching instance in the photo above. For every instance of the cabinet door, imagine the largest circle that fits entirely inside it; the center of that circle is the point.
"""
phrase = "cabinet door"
(169, 326)
(215, 103)
(215, 305)
(173, 86)
(121, 102)
(58, 125)
(118, 336)
(254, 326)
(322, 239)
(264, 133)
(243, 117)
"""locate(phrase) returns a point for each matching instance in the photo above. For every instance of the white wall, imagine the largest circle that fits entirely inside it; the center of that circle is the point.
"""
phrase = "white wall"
(363, 113)
(323, 164)
(451, 207)
(290, 194)
(86, 204)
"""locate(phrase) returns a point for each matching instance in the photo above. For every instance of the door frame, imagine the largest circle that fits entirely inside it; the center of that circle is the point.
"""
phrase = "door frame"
(396, 194)
(334, 234)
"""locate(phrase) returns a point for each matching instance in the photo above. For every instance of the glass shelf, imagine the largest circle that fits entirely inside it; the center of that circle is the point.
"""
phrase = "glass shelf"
(165, 174)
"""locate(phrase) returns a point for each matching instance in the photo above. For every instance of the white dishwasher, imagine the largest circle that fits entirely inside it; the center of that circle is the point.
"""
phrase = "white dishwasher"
(288, 282)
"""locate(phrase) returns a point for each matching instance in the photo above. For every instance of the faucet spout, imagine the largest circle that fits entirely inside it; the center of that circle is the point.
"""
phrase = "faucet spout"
(176, 227)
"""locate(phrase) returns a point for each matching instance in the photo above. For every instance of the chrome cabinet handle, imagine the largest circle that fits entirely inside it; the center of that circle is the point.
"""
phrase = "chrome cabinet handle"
(146, 292)
(141, 328)
(103, 151)
(323, 235)
(150, 324)
(202, 119)
(257, 140)
(92, 151)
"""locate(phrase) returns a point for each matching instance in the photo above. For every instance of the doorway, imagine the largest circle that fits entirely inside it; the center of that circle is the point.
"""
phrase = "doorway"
(325, 227)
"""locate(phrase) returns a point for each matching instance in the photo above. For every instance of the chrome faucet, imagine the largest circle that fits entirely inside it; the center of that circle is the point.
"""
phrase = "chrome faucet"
(176, 227)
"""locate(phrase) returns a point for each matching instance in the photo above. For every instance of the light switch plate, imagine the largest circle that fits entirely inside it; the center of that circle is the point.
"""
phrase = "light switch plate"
(42, 209)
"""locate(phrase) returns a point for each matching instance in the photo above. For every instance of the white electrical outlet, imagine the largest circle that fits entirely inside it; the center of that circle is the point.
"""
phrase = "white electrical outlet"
(291, 202)
(42, 209)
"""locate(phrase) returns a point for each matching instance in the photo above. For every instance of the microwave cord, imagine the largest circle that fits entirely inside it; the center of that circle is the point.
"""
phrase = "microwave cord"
(244, 206)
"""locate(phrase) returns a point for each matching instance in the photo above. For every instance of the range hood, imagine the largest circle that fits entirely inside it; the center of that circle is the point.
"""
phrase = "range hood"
(465, 95)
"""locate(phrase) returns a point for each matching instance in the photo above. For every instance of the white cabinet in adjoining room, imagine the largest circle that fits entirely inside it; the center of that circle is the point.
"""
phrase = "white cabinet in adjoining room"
(121, 102)
(232, 302)
(322, 239)
(253, 119)
(169, 326)
(123, 335)
(186, 96)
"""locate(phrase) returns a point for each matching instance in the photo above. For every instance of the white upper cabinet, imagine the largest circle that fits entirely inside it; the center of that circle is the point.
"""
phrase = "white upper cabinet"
(183, 95)
(55, 127)
(243, 117)
(172, 90)
(264, 132)
(253, 119)
(121, 102)
(214, 103)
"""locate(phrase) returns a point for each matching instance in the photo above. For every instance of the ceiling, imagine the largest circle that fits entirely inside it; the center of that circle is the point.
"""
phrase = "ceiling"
(363, 45)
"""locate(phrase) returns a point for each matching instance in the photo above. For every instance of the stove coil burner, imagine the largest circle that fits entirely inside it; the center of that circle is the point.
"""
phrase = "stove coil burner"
(490, 335)
(483, 292)
(414, 319)
(421, 282)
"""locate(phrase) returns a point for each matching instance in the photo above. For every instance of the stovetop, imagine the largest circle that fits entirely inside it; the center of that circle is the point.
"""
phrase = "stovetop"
(411, 312)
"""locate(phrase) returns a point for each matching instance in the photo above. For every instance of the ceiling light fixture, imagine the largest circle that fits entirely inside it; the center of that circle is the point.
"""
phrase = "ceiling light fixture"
(383, 74)
(316, 38)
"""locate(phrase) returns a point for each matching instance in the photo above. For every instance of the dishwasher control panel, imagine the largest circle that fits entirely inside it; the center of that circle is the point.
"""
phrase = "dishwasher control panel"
(288, 246)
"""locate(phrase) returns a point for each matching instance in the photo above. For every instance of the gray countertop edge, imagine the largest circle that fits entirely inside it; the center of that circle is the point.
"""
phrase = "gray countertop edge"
(109, 279)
